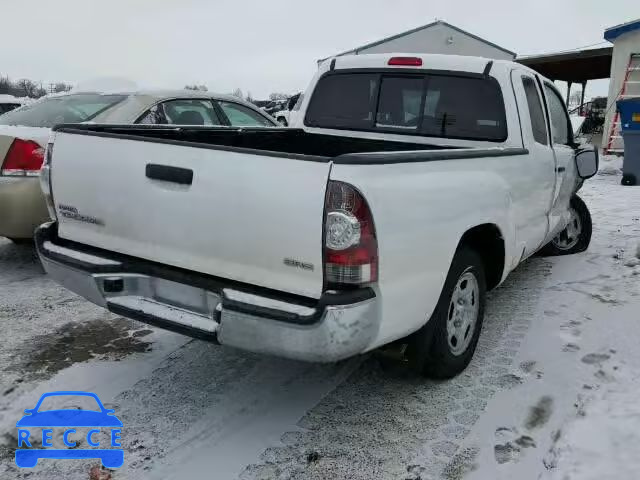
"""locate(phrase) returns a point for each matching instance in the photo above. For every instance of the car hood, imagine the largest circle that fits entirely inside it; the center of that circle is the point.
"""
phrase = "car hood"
(39, 135)
(69, 418)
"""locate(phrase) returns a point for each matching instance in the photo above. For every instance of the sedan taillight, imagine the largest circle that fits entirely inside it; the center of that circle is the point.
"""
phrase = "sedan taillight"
(23, 159)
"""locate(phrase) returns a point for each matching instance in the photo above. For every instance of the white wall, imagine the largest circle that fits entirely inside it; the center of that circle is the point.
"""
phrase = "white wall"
(623, 47)
(434, 40)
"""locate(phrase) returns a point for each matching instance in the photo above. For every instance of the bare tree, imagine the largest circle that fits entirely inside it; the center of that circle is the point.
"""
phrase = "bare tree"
(61, 87)
(238, 93)
(201, 88)
(6, 86)
(26, 87)
(40, 91)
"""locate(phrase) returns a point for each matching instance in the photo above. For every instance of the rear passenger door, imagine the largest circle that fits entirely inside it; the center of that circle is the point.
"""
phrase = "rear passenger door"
(533, 198)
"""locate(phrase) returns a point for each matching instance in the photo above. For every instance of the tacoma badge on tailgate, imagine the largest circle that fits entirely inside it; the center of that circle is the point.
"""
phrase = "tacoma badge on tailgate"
(68, 211)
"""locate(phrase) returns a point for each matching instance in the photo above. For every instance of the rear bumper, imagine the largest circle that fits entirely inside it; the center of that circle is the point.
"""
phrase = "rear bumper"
(22, 206)
(334, 327)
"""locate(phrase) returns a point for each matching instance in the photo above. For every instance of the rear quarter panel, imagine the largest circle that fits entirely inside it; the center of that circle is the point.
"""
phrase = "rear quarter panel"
(421, 211)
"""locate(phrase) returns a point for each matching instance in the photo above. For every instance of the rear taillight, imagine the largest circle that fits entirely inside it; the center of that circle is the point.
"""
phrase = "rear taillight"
(351, 248)
(24, 158)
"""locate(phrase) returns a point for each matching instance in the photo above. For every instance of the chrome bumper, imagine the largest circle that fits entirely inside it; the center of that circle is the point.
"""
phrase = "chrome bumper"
(333, 328)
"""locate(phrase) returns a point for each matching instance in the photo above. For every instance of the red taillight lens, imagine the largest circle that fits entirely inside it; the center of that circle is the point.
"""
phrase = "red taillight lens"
(351, 248)
(405, 61)
(24, 158)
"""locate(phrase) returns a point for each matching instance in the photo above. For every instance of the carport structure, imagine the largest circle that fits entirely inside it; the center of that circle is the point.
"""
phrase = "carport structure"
(577, 66)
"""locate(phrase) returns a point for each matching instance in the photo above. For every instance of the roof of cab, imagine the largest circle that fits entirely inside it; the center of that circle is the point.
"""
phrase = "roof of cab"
(429, 61)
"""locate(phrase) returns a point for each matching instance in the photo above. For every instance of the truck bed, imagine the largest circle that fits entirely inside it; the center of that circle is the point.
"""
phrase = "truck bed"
(286, 141)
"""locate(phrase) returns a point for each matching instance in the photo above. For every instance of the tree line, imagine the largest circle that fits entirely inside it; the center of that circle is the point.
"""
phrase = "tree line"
(238, 93)
(28, 88)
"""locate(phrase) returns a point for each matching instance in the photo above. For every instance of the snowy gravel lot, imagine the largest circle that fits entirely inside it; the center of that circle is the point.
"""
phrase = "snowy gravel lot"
(559, 337)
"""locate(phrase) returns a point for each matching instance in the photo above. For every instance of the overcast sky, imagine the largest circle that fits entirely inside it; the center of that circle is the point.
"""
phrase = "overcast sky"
(262, 46)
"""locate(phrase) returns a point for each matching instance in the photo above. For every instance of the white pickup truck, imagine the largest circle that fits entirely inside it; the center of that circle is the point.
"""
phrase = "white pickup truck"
(417, 184)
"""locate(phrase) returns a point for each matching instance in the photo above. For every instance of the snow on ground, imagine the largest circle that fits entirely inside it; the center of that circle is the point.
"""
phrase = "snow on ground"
(604, 442)
(610, 165)
(550, 393)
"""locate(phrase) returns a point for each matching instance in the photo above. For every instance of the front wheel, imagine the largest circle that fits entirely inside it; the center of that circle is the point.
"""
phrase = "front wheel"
(576, 236)
(445, 345)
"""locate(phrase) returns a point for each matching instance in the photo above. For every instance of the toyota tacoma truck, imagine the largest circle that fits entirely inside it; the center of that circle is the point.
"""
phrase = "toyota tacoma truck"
(415, 185)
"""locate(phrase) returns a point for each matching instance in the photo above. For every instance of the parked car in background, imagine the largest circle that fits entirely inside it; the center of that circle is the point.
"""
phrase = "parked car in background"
(8, 103)
(24, 133)
(416, 184)
(286, 116)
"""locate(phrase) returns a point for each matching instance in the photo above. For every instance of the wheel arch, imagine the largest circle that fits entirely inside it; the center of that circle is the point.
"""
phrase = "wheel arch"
(487, 240)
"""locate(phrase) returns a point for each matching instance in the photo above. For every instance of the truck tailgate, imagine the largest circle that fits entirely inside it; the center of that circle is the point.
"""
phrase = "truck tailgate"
(246, 217)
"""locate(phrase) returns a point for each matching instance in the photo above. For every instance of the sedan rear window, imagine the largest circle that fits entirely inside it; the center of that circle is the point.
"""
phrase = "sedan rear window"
(76, 108)
(7, 107)
(433, 105)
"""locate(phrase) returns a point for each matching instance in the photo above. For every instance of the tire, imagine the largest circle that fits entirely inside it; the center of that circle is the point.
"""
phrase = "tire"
(577, 237)
(629, 179)
(282, 121)
(437, 350)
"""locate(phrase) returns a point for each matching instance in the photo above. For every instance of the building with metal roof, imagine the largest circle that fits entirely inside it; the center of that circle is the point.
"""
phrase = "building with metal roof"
(435, 37)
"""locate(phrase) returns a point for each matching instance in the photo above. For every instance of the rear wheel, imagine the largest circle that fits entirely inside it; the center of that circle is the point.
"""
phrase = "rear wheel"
(444, 346)
(576, 237)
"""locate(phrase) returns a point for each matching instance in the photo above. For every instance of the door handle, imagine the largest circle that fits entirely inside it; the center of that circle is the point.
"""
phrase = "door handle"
(560, 169)
(166, 173)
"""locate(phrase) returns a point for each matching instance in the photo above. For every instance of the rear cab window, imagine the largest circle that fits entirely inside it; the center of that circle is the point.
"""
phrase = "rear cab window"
(433, 104)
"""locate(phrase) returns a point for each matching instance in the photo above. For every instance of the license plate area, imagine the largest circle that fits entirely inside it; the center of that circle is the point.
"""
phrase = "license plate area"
(184, 296)
(161, 297)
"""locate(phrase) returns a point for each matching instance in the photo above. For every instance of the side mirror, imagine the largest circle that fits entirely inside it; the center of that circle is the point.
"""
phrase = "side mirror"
(587, 162)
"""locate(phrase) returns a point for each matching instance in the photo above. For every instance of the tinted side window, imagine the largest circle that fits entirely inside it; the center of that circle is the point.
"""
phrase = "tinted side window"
(431, 105)
(558, 114)
(241, 116)
(535, 110)
(181, 112)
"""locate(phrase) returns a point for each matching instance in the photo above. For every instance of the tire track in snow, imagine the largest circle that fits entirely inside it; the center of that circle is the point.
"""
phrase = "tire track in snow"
(385, 422)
